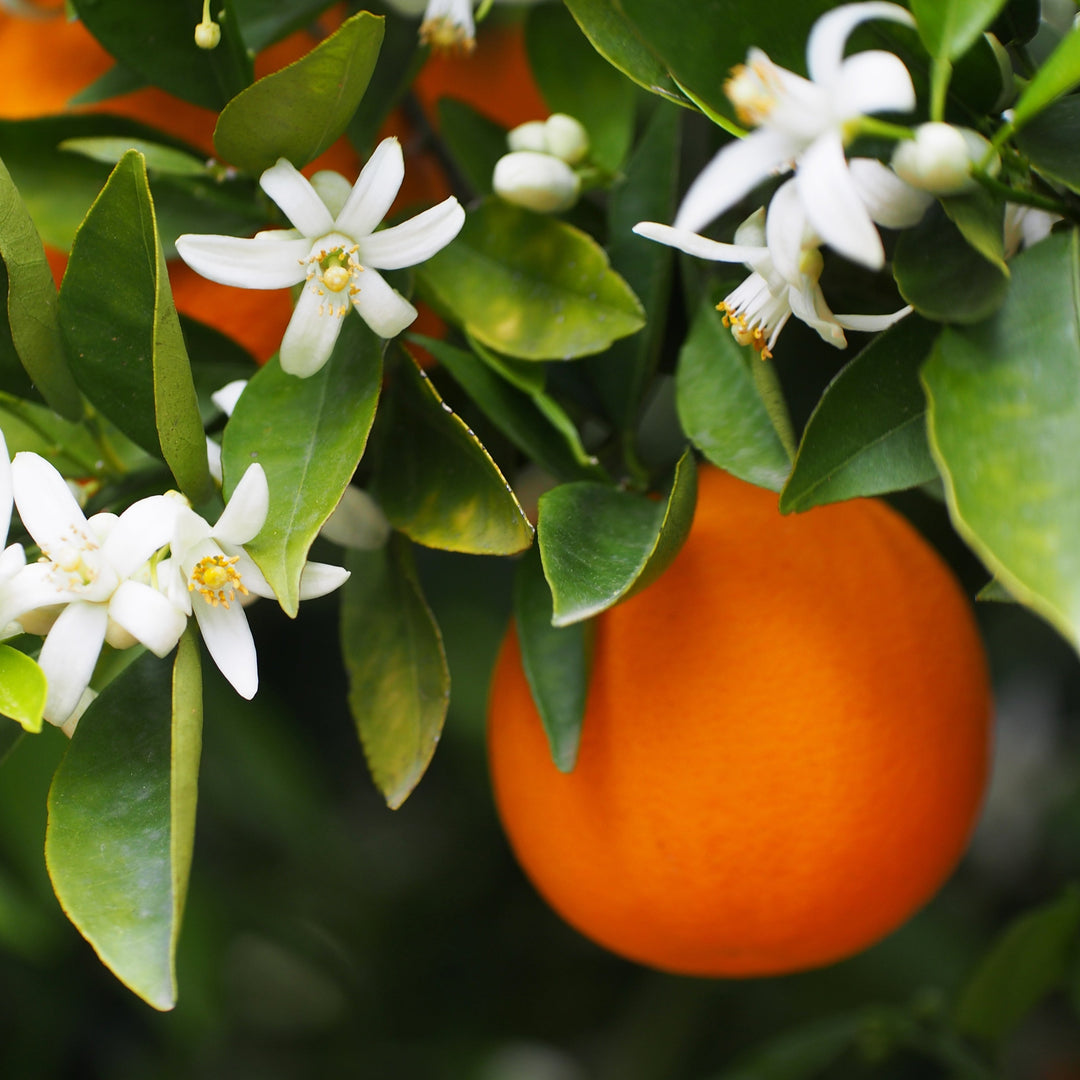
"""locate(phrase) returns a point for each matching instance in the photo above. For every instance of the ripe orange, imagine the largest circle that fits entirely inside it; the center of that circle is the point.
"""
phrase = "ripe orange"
(784, 747)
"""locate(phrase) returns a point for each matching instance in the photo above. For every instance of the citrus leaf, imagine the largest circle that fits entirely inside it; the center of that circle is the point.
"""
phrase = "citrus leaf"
(122, 331)
(600, 545)
(1059, 74)
(111, 148)
(949, 28)
(399, 683)
(309, 435)
(1003, 414)
(296, 113)
(530, 286)
(980, 217)
(22, 688)
(555, 660)
(867, 434)
(435, 481)
(121, 820)
(721, 408)
(1050, 139)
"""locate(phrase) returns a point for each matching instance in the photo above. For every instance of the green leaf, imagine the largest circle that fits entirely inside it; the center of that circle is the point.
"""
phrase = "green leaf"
(31, 309)
(265, 21)
(1049, 141)
(516, 414)
(121, 820)
(111, 148)
(122, 331)
(399, 683)
(22, 688)
(1059, 74)
(980, 217)
(296, 113)
(1025, 964)
(867, 434)
(530, 286)
(475, 142)
(1004, 413)
(158, 42)
(721, 409)
(574, 79)
(555, 660)
(435, 481)
(949, 28)
(942, 276)
(309, 435)
(600, 545)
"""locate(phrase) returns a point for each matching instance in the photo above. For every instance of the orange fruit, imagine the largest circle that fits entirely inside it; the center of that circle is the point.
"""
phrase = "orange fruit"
(784, 747)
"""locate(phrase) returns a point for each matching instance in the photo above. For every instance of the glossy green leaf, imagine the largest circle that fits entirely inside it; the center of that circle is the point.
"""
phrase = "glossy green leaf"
(530, 286)
(1049, 141)
(296, 113)
(867, 434)
(32, 325)
(158, 42)
(721, 408)
(399, 683)
(475, 142)
(573, 78)
(1027, 962)
(309, 435)
(613, 36)
(980, 217)
(1018, 22)
(1004, 413)
(555, 660)
(1055, 78)
(435, 481)
(111, 148)
(515, 414)
(646, 192)
(121, 820)
(122, 331)
(950, 27)
(22, 688)
(942, 276)
(600, 545)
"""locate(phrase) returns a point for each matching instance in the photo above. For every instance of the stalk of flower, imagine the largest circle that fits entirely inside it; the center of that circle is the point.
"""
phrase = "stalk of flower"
(210, 575)
(334, 249)
(805, 124)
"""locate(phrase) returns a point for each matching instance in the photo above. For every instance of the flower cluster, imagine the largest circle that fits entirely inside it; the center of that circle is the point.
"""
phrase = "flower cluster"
(132, 578)
(539, 172)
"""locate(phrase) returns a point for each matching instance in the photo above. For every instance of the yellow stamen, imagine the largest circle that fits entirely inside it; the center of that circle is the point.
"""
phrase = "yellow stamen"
(217, 580)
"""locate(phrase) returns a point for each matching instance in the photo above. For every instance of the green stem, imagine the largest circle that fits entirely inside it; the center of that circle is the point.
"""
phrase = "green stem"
(1025, 198)
(870, 125)
(939, 87)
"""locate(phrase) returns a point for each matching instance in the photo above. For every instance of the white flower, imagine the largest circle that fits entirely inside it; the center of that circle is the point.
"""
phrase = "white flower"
(448, 24)
(209, 573)
(783, 254)
(92, 583)
(335, 247)
(1025, 226)
(940, 158)
(560, 134)
(536, 181)
(805, 124)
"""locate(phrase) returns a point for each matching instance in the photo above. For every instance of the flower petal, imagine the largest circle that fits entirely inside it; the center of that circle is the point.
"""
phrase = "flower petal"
(30, 588)
(888, 199)
(68, 656)
(140, 530)
(148, 616)
(292, 191)
(47, 507)
(375, 189)
(699, 246)
(245, 513)
(787, 232)
(383, 308)
(832, 203)
(414, 240)
(737, 169)
(227, 637)
(318, 579)
(825, 46)
(311, 333)
(227, 397)
(809, 306)
(872, 323)
(260, 263)
(872, 82)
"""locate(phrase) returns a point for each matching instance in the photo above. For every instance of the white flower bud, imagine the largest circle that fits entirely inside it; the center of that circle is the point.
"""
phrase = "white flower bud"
(539, 182)
(207, 35)
(566, 138)
(940, 157)
(530, 136)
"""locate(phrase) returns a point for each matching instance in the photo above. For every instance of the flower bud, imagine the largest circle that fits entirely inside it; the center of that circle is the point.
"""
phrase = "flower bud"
(940, 157)
(539, 182)
(207, 35)
(529, 136)
(566, 138)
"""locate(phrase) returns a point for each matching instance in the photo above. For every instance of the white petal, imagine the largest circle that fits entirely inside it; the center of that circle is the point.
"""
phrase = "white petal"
(832, 203)
(872, 82)
(245, 513)
(318, 579)
(888, 200)
(292, 191)
(227, 637)
(808, 305)
(737, 169)
(414, 240)
(248, 264)
(140, 530)
(148, 616)
(825, 47)
(68, 656)
(250, 574)
(30, 588)
(384, 309)
(699, 246)
(311, 333)
(213, 459)
(189, 532)
(47, 507)
(375, 189)
(787, 231)
(13, 559)
(333, 189)
(872, 323)
(227, 397)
